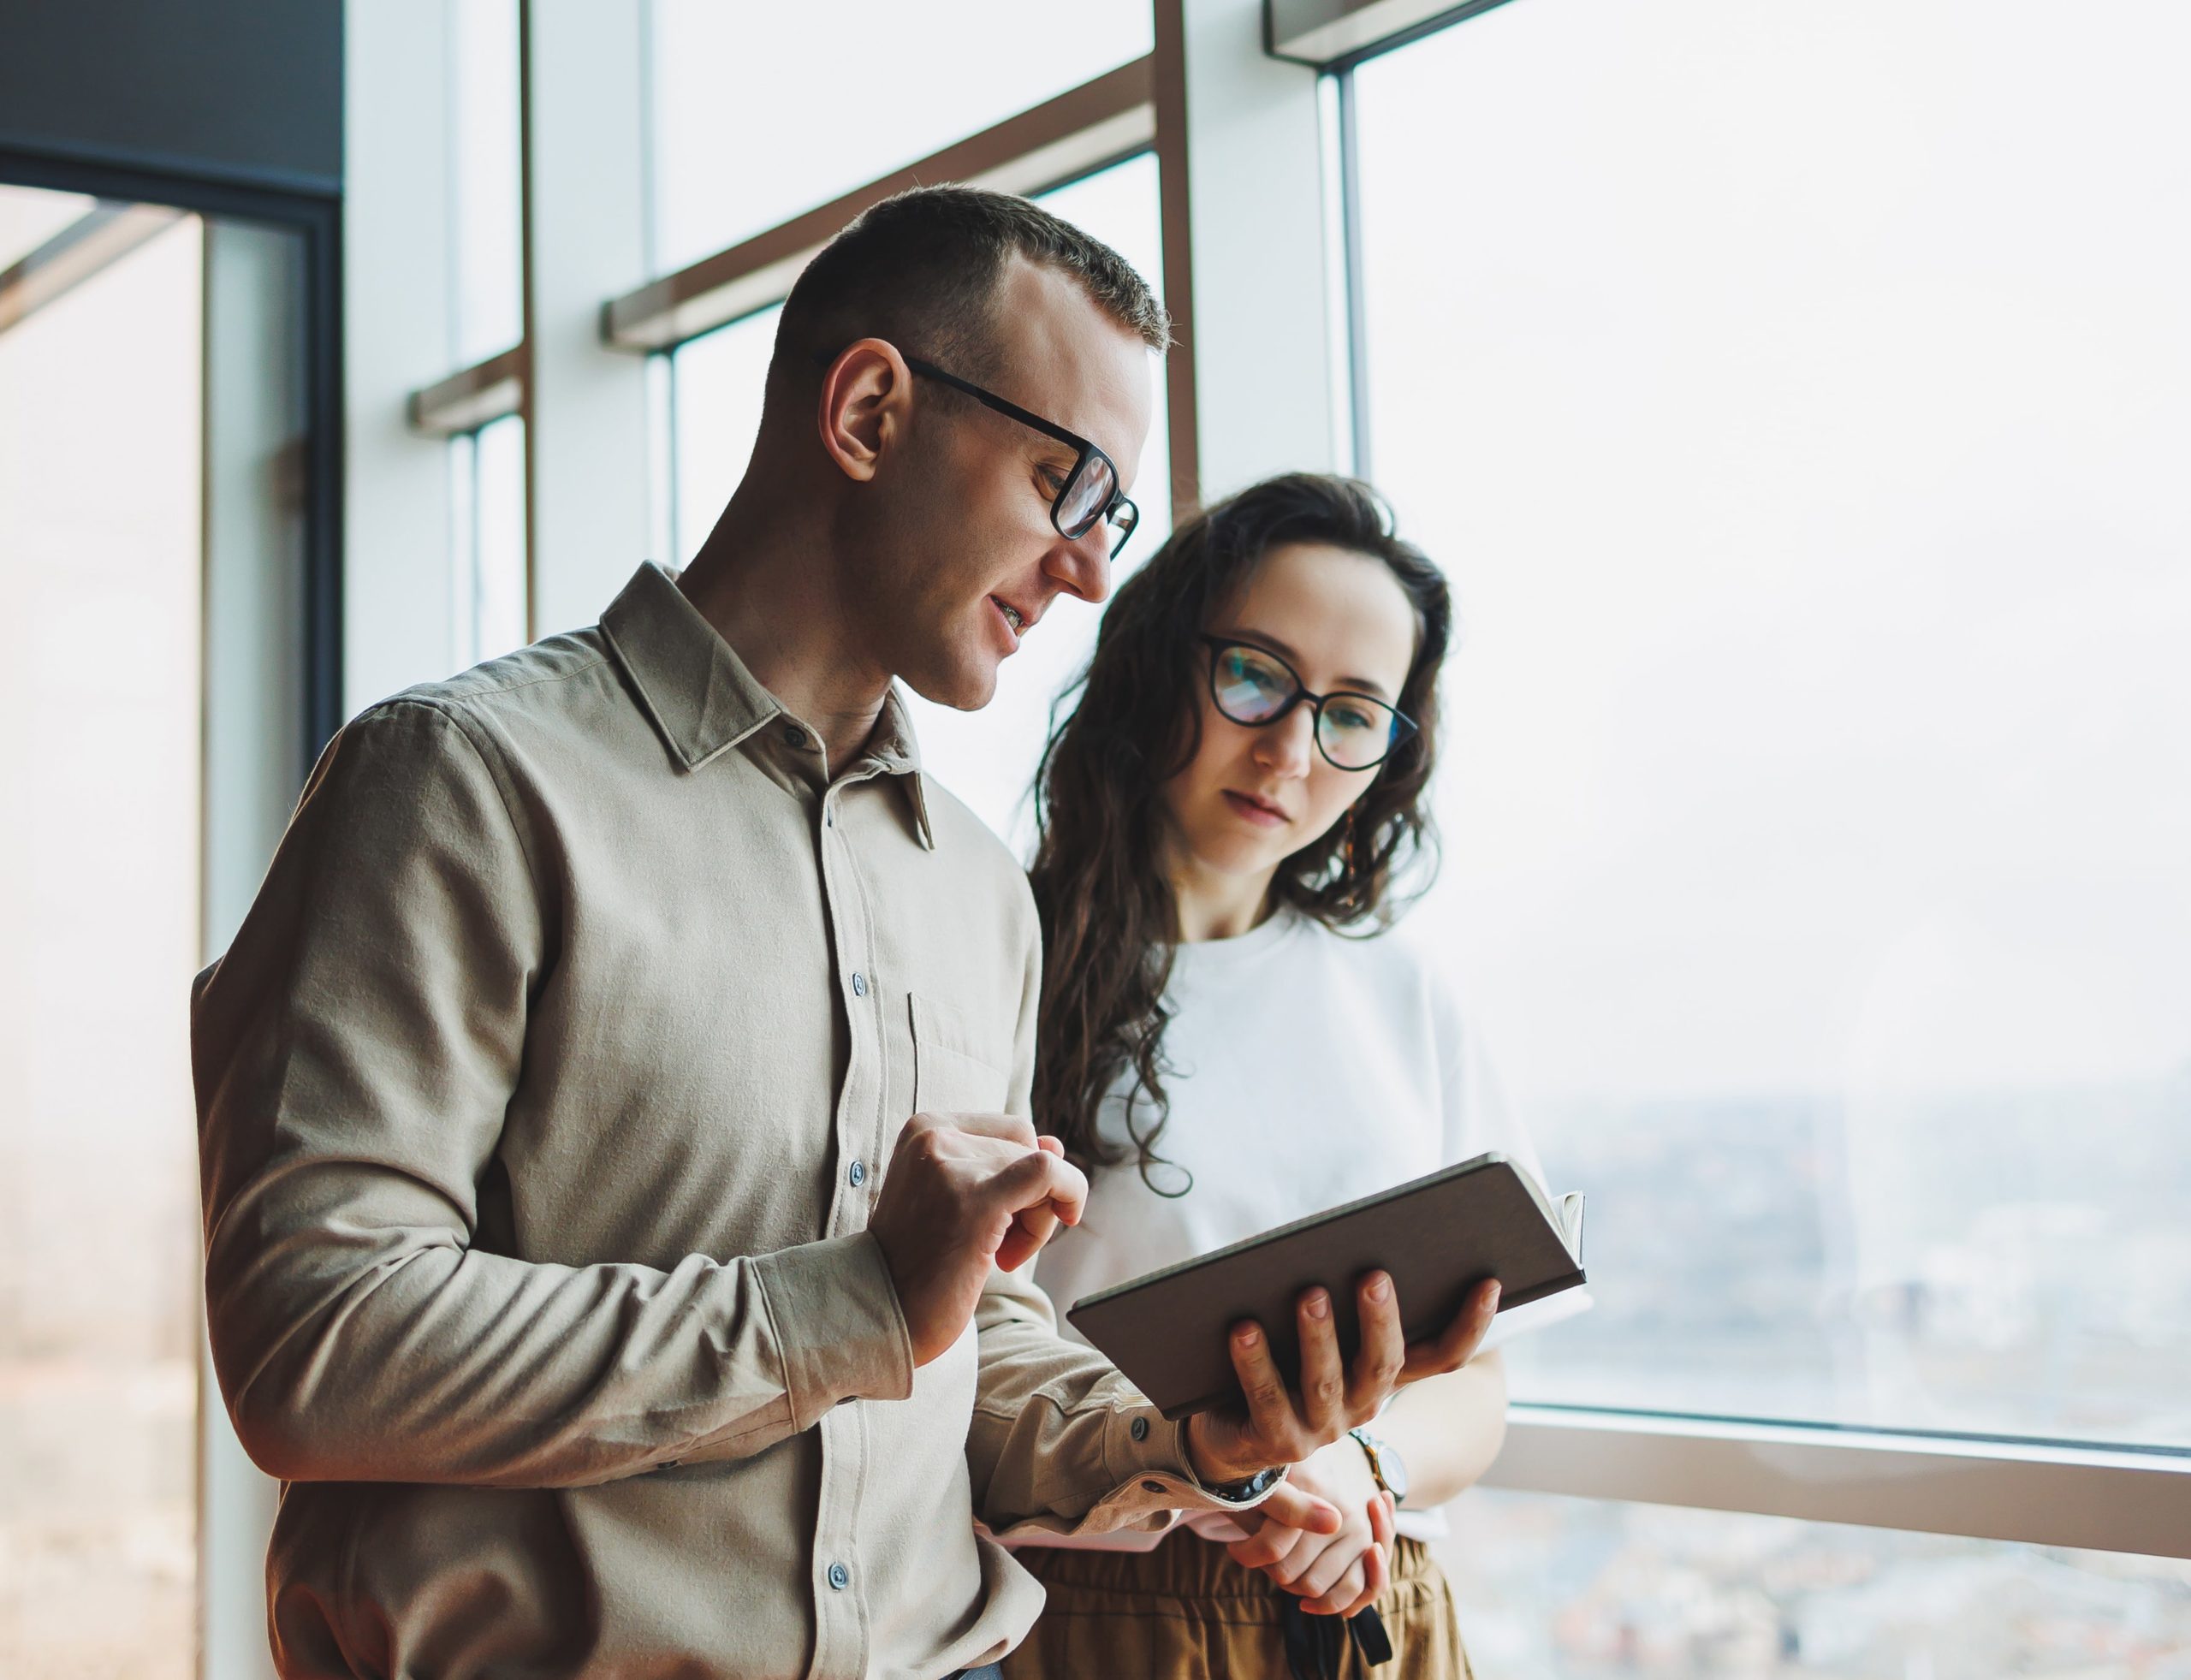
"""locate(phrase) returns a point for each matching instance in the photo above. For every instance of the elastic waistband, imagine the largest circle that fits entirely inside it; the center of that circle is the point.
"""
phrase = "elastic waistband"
(1186, 1566)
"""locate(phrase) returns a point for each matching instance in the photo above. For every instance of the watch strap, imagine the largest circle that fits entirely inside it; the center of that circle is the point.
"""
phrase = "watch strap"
(1373, 1451)
(1248, 1487)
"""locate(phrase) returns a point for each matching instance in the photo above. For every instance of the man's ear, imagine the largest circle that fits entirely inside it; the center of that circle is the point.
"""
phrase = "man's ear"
(862, 414)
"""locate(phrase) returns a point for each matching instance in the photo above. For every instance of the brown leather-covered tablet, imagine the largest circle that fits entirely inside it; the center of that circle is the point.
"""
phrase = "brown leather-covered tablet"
(1436, 1235)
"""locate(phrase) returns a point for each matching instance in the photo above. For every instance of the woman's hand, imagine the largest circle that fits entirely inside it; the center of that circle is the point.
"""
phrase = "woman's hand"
(1337, 1574)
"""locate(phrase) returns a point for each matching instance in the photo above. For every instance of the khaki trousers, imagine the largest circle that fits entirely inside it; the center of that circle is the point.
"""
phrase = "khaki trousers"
(1187, 1611)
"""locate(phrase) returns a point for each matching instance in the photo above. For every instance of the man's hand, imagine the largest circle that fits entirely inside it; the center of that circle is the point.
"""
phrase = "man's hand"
(964, 1192)
(1338, 1570)
(1279, 1427)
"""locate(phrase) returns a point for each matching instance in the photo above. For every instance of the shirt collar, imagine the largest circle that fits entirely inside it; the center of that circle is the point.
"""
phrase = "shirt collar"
(702, 698)
(894, 747)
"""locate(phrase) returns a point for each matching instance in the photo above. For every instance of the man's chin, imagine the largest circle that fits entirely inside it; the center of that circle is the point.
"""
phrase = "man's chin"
(964, 685)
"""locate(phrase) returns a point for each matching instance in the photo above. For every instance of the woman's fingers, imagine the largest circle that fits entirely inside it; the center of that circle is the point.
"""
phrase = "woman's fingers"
(1376, 1574)
(1334, 1581)
(1297, 1508)
(1353, 1588)
(1342, 1558)
(1288, 1570)
(1381, 1518)
(1265, 1547)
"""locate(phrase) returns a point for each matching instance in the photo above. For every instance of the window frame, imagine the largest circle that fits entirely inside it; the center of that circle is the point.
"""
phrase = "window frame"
(500, 385)
(1133, 110)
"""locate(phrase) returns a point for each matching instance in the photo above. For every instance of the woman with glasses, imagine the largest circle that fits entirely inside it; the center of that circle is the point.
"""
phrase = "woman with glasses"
(1228, 816)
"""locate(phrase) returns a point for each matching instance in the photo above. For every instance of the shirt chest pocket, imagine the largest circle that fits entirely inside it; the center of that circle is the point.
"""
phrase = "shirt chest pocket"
(957, 1068)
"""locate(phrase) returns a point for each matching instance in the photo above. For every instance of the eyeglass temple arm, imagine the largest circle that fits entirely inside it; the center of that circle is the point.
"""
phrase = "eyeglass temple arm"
(1012, 410)
(988, 399)
(1002, 405)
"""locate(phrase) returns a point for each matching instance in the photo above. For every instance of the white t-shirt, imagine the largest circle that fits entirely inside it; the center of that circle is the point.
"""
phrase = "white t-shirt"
(1311, 1069)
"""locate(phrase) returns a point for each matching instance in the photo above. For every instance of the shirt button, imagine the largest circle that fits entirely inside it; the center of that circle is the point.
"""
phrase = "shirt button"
(858, 1176)
(793, 735)
(860, 985)
(1140, 1426)
(840, 1577)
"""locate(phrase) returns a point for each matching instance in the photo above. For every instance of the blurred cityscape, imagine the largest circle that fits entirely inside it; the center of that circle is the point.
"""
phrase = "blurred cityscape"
(1574, 1589)
(2016, 1266)
(98, 1409)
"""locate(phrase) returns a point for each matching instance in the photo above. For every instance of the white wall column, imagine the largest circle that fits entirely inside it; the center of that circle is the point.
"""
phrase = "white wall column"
(586, 210)
(397, 603)
(1262, 364)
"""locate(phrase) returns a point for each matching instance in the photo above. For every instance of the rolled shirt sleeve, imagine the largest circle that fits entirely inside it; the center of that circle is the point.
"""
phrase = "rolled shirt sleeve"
(355, 1053)
(1060, 1442)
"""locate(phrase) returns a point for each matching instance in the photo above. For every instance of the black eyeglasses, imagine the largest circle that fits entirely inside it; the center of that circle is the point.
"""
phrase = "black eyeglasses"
(1089, 494)
(1253, 685)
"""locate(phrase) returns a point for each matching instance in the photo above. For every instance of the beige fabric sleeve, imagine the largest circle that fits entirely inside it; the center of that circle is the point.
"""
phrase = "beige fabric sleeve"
(1060, 1442)
(354, 1053)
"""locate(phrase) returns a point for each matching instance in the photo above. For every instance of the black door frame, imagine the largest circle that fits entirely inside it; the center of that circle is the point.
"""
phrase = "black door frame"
(317, 219)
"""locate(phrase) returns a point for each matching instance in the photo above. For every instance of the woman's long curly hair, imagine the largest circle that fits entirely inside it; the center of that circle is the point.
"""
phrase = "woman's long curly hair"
(1109, 920)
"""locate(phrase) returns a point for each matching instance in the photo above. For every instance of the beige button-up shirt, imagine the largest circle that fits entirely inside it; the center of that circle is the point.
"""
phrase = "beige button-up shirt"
(542, 1099)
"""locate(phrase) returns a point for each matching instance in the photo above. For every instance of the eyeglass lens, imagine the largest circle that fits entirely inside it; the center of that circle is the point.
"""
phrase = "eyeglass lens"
(1354, 731)
(1087, 496)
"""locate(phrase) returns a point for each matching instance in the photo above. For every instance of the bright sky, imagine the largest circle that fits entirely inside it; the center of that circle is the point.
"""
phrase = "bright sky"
(488, 316)
(882, 85)
(1799, 397)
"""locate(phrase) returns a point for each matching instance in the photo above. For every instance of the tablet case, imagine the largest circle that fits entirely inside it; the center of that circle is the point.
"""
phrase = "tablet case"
(1437, 1236)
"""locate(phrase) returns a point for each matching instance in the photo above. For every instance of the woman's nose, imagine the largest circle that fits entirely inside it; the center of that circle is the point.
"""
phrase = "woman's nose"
(1285, 745)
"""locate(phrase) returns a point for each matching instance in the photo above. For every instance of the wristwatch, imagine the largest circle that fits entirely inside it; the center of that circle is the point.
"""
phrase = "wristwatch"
(1247, 1487)
(1384, 1463)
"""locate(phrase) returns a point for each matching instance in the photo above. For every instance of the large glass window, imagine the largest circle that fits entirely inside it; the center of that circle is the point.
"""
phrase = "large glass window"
(101, 396)
(488, 580)
(487, 482)
(882, 85)
(486, 203)
(988, 758)
(1799, 397)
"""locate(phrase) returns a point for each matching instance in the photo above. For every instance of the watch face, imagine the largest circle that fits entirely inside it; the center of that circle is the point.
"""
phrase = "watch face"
(1395, 1473)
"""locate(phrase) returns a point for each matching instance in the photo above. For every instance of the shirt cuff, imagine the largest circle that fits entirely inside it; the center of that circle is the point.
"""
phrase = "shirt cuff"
(1145, 1454)
(839, 1331)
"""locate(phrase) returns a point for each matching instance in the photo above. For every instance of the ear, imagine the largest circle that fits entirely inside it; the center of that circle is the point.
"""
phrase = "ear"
(864, 406)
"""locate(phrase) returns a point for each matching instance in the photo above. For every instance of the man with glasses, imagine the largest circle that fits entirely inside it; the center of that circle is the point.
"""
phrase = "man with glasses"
(613, 1111)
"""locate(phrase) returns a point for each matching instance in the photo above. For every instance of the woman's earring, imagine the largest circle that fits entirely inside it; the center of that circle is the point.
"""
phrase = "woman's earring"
(1346, 844)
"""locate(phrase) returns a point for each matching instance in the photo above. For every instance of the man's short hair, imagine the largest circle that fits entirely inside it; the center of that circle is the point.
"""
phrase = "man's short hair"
(924, 269)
